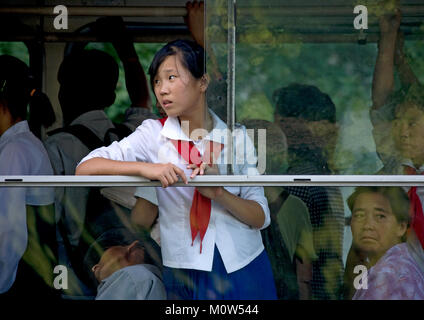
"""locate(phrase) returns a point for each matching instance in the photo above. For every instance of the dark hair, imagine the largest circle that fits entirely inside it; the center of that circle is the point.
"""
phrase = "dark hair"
(17, 89)
(90, 78)
(397, 197)
(120, 237)
(304, 101)
(413, 93)
(192, 58)
(276, 142)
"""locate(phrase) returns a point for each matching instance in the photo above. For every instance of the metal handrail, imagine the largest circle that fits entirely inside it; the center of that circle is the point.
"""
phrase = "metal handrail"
(99, 11)
(173, 11)
(216, 180)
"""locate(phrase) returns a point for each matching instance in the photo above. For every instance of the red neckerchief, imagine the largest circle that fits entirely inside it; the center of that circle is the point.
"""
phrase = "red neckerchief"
(200, 211)
(416, 209)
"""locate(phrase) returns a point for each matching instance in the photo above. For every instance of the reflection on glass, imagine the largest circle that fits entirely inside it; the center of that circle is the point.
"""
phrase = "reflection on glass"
(315, 98)
(281, 49)
(121, 238)
(380, 219)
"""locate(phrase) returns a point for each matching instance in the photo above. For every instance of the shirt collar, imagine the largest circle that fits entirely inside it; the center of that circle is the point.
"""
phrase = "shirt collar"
(20, 127)
(408, 163)
(172, 129)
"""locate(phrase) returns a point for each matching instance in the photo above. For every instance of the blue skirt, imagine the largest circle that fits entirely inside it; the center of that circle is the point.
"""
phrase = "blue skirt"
(253, 282)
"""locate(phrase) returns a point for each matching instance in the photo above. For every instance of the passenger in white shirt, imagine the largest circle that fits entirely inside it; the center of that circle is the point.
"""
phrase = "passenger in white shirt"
(21, 153)
(231, 250)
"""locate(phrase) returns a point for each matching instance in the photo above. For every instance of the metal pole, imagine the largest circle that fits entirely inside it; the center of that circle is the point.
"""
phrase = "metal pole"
(173, 11)
(100, 11)
(163, 38)
(72, 37)
(231, 79)
(302, 11)
(219, 180)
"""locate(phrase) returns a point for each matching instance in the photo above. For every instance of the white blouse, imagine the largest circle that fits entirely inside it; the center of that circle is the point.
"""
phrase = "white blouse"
(237, 242)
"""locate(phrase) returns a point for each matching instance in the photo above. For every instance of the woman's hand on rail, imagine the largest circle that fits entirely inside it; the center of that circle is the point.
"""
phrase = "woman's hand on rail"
(166, 173)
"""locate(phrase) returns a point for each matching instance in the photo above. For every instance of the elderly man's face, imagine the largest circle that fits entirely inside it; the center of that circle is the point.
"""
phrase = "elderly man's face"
(408, 129)
(118, 257)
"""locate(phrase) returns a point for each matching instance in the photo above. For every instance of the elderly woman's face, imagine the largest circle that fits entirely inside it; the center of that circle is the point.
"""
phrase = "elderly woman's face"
(375, 228)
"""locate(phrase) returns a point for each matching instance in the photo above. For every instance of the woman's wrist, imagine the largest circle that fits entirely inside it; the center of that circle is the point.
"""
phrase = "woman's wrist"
(144, 168)
(219, 194)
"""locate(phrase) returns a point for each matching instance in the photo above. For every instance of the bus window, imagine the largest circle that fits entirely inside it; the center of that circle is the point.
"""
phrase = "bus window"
(306, 84)
(145, 52)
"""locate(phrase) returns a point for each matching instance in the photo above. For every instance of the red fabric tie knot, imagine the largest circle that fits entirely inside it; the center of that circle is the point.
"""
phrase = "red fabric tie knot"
(200, 211)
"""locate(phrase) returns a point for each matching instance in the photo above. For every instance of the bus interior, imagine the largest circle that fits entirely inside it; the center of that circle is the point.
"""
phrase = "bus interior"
(258, 53)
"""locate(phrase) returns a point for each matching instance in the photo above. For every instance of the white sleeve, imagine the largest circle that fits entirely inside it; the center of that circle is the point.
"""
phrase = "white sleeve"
(249, 167)
(135, 147)
(148, 193)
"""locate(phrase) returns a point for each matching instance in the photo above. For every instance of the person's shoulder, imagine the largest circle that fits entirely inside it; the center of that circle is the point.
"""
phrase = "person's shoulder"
(22, 143)
(125, 275)
(401, 257)
(239, 130)
(64, 145)
(140, 113)
(60, 138)
(294, 203)
(19, 141)
(394, 261)
(151, 124)
(134, 117)
(397, 251)
(138, 272)
(396, 275)
(15, 151)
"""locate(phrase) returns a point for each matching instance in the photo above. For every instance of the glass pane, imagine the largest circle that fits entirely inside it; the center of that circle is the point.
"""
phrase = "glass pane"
(309, 71)
(321, 241)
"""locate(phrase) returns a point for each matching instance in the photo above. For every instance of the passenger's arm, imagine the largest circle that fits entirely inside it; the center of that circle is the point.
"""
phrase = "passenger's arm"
(406, 75)
(144, 213)
(383, 80)
(135, 78)
(247, 211)
(131, 156)
(195, 21)
(167, 173)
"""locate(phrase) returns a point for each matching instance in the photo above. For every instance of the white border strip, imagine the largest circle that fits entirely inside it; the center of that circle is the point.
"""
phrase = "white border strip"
(236, 180)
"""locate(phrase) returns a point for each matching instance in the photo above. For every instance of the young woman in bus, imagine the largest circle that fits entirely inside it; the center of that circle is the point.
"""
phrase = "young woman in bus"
(227, 260)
